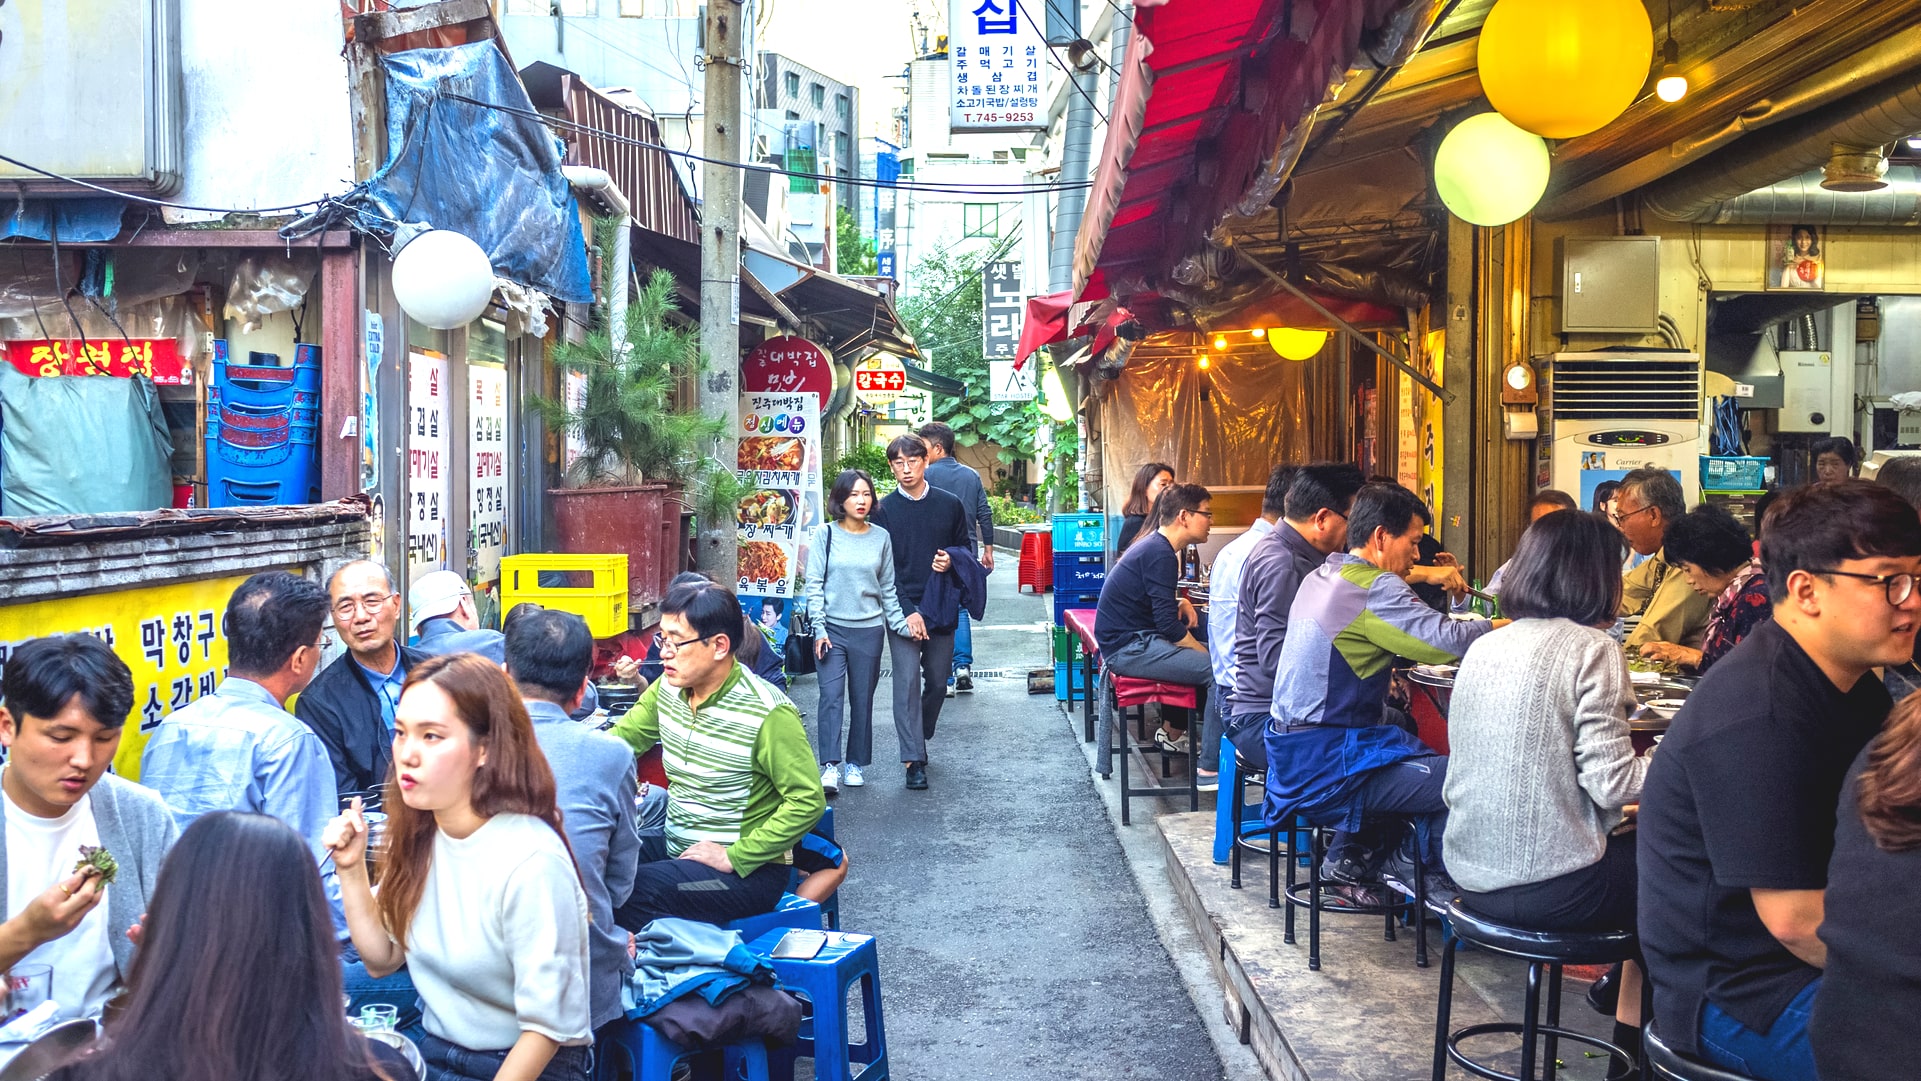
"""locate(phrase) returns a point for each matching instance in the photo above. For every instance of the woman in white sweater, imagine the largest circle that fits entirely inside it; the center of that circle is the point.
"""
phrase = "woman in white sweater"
(851, 599)
(479, 896)
(1540, 761)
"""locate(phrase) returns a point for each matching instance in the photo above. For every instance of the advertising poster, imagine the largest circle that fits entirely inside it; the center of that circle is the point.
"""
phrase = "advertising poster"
(429, 447)
(996, 56)
(487, 470)
(170, 635)
(780, 456)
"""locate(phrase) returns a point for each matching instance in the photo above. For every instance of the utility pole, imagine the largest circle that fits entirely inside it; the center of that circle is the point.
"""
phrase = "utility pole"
(1064, 34)
(716, 553)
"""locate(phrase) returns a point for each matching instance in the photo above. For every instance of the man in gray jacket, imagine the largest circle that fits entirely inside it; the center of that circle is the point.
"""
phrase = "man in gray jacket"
(549, 654)
(945, 472)
(66, 699)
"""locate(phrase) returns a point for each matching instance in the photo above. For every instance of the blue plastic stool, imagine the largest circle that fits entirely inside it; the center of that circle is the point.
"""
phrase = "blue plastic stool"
(830, 908)
(823, 981)
(649, 1056)
(790, 913)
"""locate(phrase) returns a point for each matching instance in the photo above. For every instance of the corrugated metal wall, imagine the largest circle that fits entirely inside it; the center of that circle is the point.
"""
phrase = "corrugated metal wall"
(645, 176)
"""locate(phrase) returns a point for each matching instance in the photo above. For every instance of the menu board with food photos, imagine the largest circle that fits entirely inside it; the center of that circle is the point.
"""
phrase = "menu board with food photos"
(780, 458)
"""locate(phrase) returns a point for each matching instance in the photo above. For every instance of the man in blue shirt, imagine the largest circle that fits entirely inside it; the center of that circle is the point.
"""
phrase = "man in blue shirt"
(442, 614)
(946, 472)
(1144, 628)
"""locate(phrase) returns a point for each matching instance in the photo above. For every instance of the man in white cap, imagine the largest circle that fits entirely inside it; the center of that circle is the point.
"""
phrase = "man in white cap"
(444, 617)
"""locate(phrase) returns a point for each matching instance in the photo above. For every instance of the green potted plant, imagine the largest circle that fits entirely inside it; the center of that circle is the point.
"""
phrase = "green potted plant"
(640, 459)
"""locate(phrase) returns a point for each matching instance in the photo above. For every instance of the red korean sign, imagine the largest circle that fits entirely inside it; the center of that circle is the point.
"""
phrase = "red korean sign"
(787, 365)
(156, 358)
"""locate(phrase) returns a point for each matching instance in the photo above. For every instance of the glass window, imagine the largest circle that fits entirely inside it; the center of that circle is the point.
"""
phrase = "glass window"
(981, 219)
(793, 84)
(659, 9)
(792, 115)
(818, 93)
(843, 106)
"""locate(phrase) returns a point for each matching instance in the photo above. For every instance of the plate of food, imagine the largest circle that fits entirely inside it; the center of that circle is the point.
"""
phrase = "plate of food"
(763, 561)
(766, 507)
(770, 453)
(1666, 707)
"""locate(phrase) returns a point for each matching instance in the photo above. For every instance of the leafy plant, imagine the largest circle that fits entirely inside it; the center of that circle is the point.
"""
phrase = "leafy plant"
(944, 313)
(869, 457)
(1008, 512)
(853, 253)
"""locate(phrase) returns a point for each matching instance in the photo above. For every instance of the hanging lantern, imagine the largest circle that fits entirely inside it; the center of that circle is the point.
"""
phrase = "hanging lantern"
(1054, 401)
(1296, 344)
(1490, 172)
(443, 280)
(1561, 68)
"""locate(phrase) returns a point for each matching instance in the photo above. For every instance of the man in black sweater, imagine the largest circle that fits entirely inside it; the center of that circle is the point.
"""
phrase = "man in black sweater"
(923, 522)
(1145, 629)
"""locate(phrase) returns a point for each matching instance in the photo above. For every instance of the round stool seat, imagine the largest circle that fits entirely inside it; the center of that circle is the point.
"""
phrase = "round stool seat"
(1672, 1065)
(1554, 947)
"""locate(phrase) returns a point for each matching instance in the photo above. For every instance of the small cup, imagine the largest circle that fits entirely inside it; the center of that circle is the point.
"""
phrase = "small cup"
(380, 1017)
(27, 986)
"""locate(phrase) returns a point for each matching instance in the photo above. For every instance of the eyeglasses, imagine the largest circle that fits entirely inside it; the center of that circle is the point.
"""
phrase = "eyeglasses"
(669, 647)
(1207, 514)
(345, 607)
(1899, 586)
(1623, 516)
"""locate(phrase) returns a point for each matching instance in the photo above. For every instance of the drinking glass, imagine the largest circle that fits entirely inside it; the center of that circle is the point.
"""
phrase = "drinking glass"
(27, 986)
(380, 1017)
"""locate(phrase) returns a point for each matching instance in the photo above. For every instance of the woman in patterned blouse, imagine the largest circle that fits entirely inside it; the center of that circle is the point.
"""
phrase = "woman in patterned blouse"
(1716, 554)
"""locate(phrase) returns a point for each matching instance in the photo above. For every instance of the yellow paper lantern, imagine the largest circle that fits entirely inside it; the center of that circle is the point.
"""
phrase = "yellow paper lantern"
(1561, 68)
(1490, 172)
(1296, 344)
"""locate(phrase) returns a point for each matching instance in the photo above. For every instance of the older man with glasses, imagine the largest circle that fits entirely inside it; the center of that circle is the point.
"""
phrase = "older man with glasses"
(350, 704)
(1648, 502)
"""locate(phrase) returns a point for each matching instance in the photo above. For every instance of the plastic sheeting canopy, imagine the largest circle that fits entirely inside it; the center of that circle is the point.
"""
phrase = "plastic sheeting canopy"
(490, 174)
(81, 444)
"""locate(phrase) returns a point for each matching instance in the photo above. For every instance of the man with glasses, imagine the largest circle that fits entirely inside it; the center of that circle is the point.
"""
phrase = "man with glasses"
(1647, 503)
(1144, 628)
(743, 786)
(350, 705)
(1738, 813)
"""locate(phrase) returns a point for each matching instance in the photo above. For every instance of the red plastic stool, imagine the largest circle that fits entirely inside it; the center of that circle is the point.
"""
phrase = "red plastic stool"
(1037, 561)
(1126, 692)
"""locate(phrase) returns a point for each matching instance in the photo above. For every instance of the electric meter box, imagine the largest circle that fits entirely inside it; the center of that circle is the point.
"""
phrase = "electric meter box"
(1609, 284)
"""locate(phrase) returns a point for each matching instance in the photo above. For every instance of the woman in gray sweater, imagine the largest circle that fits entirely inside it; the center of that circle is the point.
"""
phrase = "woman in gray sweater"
(1540, 761)
(851, 599)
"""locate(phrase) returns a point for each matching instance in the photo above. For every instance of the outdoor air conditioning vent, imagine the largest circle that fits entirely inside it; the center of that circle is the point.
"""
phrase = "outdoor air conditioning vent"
(1636, 389)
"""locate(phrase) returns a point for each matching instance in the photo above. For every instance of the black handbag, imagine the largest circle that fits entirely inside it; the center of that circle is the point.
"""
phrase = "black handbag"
(802, 634)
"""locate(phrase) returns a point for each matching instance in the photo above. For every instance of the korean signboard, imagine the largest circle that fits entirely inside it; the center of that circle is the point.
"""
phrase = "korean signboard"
(879, 379)
(788, 365)
(996, 54)
(1011, 384)
(487, 469)
(170, 635)
(156, 358)
(780, 456)
(1003, 307)
(429, 450)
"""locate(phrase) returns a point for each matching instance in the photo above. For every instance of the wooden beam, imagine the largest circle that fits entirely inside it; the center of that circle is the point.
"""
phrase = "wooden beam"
(340, 368)
(380, 25)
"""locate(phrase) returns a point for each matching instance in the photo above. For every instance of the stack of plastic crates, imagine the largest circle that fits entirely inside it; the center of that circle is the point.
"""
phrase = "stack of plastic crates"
(1080, 562)
(263, 421)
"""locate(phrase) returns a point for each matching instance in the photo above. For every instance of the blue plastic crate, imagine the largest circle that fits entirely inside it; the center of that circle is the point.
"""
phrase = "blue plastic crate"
(1080, 533)
(262, 428)
(1062, 671)
(1066, 601)
(1733, 474)
(1076, 573)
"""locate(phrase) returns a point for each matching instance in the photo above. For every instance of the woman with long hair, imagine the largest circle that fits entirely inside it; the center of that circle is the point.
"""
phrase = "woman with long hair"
(1149, 482)
(238, 907)
(479, 896)
(852, 602)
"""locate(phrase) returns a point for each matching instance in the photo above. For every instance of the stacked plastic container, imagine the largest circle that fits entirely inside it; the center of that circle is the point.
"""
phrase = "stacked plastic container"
(1080, 567)
(263, 422)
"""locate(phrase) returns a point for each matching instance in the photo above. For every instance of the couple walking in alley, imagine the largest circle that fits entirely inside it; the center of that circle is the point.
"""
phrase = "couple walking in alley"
(900, 573)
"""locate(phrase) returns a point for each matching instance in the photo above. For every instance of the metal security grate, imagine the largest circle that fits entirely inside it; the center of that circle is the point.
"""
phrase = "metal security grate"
(1626, 390)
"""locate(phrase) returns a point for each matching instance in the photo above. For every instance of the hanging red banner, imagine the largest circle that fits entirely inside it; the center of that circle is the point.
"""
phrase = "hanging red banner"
(156, 358)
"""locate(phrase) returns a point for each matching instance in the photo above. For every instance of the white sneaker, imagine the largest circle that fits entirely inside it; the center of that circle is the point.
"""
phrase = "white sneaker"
(830, 778)
(850, 776)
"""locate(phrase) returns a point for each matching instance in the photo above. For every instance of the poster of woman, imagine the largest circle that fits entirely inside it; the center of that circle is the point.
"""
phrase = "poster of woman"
(1798, 258)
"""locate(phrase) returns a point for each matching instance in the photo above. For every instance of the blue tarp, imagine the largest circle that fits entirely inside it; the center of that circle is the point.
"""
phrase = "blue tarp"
(81, 221)
(492, 175)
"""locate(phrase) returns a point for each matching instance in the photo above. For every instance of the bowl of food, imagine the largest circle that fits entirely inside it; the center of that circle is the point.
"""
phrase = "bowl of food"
(1666, 707)
(766, 507)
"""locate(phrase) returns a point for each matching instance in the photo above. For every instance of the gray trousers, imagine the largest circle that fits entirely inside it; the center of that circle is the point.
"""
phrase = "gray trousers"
(848, 675)
(920, 688)
(1150, 656)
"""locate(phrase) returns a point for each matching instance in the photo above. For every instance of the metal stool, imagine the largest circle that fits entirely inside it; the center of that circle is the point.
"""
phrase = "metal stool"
(1672, 1065)
(1543, 951)
(1308, 895)
(1245, 775)
(1080, 622)
(1122, 693)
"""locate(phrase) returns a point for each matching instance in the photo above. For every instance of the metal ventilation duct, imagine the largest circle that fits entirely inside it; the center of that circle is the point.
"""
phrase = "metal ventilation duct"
(1802, 199)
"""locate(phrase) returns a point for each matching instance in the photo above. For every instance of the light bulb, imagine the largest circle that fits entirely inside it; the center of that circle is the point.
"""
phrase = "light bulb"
(1914, 143)
(1205, 363)
(1220, 341)
(1261, 332)
(1672, 87)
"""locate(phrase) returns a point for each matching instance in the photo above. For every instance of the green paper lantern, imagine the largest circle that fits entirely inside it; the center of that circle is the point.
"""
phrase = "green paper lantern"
(1490, 172)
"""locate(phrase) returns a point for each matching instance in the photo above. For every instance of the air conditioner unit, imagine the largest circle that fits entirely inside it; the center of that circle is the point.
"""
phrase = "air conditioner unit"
(1606, 414)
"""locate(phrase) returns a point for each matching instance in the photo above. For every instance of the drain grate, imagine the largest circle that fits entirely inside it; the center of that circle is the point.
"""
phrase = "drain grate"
(982, 673)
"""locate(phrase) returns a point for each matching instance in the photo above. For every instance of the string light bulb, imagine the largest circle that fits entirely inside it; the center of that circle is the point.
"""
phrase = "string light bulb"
(1258, 333)
(1672, 85)
(1220, 341)
(1204, 362)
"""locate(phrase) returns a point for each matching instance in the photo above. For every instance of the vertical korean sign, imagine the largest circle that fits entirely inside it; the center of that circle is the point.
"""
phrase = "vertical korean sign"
(429, 448)
(1003, 308)
(780, 456)
(487, 470)
(995, 58)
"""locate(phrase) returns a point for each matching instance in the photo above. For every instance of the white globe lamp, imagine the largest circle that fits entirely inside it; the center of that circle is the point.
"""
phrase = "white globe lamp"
(443, 280)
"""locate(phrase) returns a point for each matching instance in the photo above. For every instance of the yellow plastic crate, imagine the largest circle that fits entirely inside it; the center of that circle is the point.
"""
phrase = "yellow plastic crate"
(594, 587)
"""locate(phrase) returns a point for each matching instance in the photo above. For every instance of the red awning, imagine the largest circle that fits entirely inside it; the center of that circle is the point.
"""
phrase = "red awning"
(1213, 101)
(1053, 318)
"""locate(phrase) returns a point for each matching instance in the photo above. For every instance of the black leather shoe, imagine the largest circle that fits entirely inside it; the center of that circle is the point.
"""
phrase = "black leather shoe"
(1604, 994)
(917, 775)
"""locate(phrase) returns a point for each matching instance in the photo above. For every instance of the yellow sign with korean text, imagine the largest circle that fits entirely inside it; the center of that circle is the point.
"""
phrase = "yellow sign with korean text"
(170, 635)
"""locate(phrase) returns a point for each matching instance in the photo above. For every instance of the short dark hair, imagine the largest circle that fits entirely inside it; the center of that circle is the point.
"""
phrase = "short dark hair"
(268, 618)
(1840, 446)
(1322, 486)
(689, 578)
(844, 490)
(1603, 493)
(1815, 527)
(519, 612)
(1552, 497)
(1656, 487)
(1765, 502)
(907, 446)
(936, 432)
(709, 610)
(1178, 498)
(549, 653)
(1567, 566)
(1710, 538)
(1902, 476)
(1274, 500)
(1384, 506)
(43, 675)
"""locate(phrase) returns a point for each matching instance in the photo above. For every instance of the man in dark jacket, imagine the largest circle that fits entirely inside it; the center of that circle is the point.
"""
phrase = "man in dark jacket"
(921, 520)
(350, 704)
(945, 472)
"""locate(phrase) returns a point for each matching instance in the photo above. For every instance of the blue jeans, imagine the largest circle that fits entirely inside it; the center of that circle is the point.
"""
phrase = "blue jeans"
(395, 989)
(1783, 1054)
(963, 643)
(452, 1062)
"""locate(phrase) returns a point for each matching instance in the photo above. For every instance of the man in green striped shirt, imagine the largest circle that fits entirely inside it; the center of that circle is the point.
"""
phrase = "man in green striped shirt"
(743, 786)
